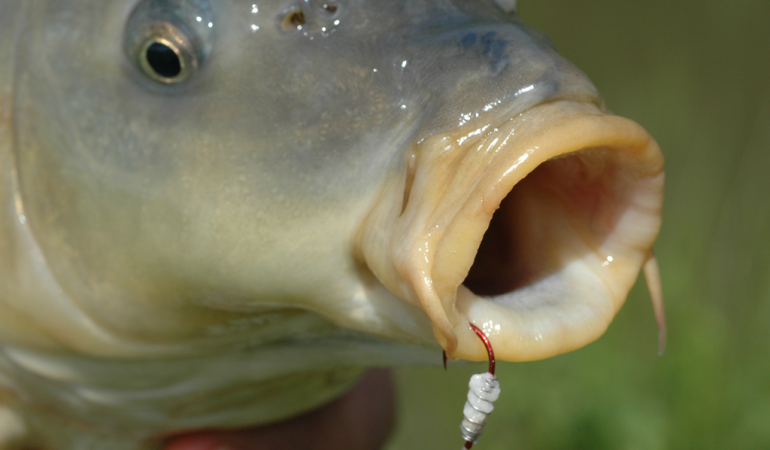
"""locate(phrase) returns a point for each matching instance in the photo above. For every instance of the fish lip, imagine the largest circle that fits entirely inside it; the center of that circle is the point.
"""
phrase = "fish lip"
(435, 236)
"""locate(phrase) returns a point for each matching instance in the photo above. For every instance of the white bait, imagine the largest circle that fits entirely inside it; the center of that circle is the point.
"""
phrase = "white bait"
(484, 391)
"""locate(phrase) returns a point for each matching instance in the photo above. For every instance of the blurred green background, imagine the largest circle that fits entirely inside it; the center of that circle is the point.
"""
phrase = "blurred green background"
(697, 76)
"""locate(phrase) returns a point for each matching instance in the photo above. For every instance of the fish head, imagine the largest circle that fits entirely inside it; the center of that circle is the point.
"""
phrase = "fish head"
(401, 169)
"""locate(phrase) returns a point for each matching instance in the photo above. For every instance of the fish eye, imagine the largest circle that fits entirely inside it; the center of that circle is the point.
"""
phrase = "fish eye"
(167, 40)
(166, 55)
(163, 59)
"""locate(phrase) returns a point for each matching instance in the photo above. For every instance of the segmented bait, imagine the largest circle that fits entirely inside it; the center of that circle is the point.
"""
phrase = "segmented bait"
(484, 390)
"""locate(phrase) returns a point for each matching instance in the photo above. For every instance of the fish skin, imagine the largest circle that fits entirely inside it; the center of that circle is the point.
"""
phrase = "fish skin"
(176, 257)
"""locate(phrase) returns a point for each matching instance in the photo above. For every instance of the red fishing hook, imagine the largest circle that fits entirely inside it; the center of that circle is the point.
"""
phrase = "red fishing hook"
(490, 352)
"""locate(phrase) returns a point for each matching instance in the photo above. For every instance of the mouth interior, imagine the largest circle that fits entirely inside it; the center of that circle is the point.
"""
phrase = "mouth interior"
(578, 198)
(497, 269)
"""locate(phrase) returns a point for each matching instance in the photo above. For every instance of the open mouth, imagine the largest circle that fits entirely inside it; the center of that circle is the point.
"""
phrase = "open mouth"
(534, 231)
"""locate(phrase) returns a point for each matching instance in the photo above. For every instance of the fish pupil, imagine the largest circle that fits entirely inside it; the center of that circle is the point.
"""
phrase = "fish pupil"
(163, 60)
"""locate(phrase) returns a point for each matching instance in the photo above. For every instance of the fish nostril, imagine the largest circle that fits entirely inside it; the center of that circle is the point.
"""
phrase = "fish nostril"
(316, 16)
(298, 18)
(294, 20)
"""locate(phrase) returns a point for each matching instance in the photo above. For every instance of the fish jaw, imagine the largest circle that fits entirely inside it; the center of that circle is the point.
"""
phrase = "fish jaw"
(533, 229)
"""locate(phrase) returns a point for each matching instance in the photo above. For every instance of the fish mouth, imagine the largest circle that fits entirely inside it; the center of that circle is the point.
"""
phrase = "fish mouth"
(534, 230)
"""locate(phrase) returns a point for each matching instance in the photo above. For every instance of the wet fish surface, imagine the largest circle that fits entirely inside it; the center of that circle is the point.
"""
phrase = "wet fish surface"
(214, 214)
